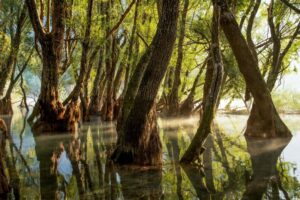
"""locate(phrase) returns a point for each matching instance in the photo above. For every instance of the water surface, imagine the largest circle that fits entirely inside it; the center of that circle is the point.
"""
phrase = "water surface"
(233, 167)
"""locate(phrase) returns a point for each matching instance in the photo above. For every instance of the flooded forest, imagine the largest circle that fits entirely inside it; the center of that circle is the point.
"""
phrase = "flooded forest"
(149, 99)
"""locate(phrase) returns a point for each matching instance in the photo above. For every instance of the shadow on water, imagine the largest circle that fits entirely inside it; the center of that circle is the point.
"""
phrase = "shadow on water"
(75, 166)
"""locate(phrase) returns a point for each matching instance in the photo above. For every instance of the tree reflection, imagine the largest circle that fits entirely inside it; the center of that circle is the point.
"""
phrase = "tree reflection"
(264, 155)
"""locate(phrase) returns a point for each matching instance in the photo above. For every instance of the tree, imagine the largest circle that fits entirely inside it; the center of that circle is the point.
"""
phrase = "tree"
(209, 107)
(53, 116)
(173, 97)
(138, 139)
(264, 120)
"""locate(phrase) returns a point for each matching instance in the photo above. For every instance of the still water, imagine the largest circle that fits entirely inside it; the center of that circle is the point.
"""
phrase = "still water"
(74, 166)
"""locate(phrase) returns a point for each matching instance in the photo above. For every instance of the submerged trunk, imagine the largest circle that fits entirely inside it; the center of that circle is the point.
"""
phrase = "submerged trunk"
(138, 141)
(264, 120)
(196, 146)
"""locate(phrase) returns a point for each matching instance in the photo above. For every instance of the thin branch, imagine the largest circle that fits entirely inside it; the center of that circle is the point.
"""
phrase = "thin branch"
(116, 27)
(291, 6)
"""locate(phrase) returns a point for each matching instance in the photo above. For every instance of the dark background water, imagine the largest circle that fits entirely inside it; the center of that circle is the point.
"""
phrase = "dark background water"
(232, 167)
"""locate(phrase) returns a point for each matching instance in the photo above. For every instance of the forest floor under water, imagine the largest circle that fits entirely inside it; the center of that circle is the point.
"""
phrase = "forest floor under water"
(75, 166)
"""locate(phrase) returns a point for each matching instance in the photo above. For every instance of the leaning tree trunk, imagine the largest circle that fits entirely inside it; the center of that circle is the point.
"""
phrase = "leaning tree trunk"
(139, 142)
(264, 120)
(196, 146)
(276, 69)
(174, 98)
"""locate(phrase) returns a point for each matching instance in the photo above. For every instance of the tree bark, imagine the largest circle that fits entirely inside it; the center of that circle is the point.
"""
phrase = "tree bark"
(53, 116)
(139, 143)
(174, 97)
(196, 146)
(264, 120)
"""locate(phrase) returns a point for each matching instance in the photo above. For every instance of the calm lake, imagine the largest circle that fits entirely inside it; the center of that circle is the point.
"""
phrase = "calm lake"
(74, 166)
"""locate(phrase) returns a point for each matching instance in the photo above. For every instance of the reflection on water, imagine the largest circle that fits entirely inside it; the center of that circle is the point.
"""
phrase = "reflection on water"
(75, 166)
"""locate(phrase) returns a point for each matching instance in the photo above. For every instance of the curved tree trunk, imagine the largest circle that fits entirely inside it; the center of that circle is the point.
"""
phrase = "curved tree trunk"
(196, 146)
(264, 121)
(139, 142)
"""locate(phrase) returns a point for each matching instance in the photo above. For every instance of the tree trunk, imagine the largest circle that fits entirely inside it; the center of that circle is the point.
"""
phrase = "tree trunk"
(80, 89)
(133, 36)
(187, 106)
(196, 146)
(53, 116)
(95, 104)
(264, 120)
(138, 142)
(174, 99)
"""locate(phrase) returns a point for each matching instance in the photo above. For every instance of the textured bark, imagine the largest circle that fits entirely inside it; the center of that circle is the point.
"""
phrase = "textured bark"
(133, 87)
(174, 97)
(266, 121)
(196, 146)
(53, 116)
(7, 69)
(138, 142)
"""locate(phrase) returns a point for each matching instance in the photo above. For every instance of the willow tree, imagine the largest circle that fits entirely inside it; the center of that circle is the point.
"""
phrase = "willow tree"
(53, 115)
(138, 138)
(209, 108)
(264, 120)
